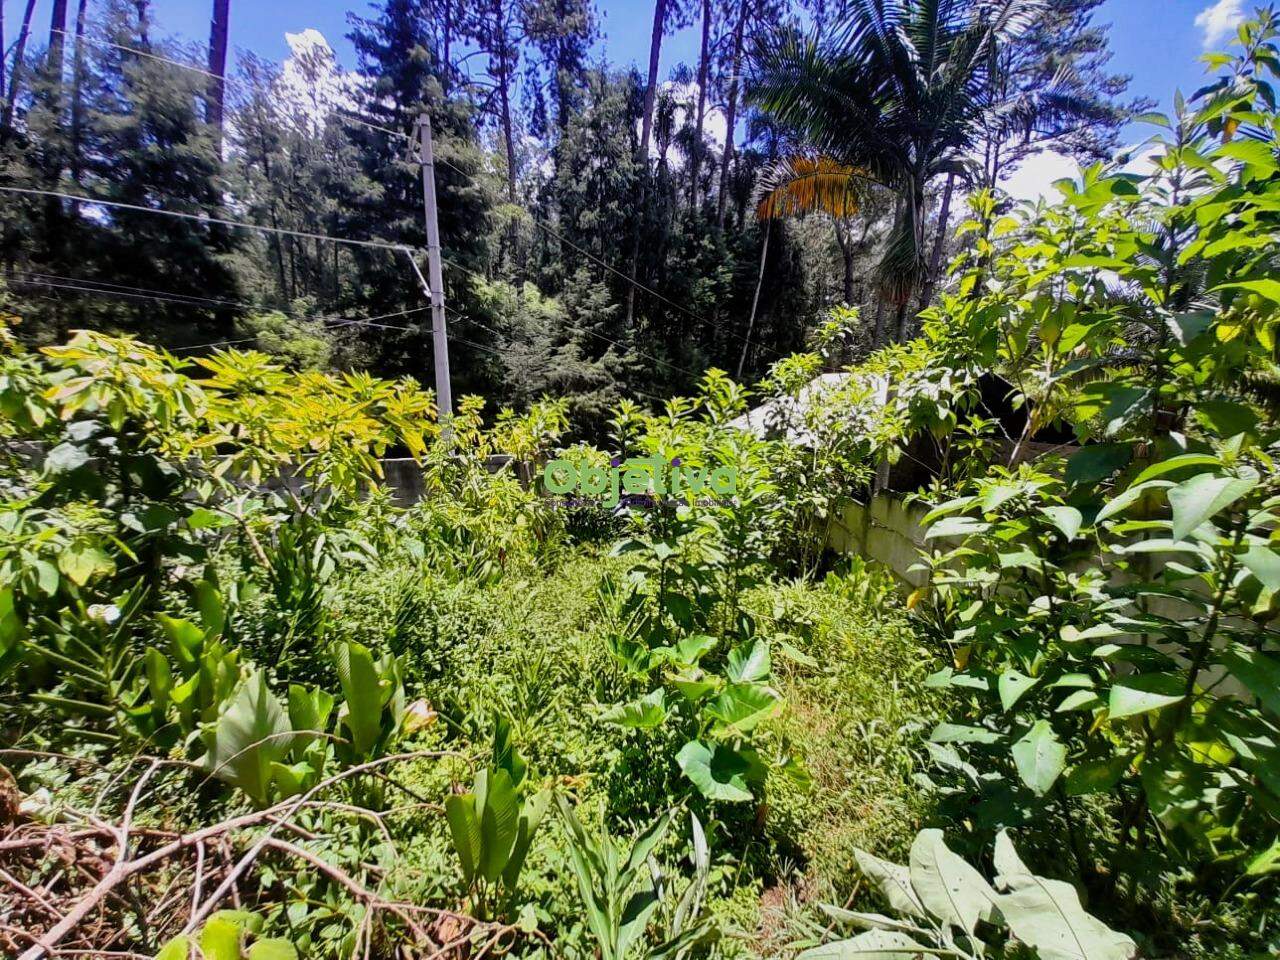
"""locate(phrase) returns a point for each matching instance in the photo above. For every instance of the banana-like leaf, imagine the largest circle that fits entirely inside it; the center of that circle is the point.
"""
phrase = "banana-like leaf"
(869, 945)
(893, 881)
(248, 736)
(362, 692)
(1047, 915)
(464, 828)
(499, 822)
(949, 888)
(530, 817)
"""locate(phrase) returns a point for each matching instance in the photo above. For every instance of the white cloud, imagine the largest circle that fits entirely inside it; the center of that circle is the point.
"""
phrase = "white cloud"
(311, 82)
(1035, 176)
(714, 123)
(1220, 20)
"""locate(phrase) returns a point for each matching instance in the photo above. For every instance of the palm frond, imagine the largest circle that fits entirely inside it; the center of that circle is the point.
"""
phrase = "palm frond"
(795, 186)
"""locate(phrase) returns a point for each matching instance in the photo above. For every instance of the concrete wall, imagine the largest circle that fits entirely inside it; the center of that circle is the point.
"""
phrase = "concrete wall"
(888, 531)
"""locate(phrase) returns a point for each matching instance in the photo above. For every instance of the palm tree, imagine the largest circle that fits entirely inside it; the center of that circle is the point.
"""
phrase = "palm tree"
(895, 95)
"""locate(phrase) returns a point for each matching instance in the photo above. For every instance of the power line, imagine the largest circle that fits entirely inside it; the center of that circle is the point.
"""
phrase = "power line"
(334, 322)
(204, 218)
(216, 343)
(191, 300)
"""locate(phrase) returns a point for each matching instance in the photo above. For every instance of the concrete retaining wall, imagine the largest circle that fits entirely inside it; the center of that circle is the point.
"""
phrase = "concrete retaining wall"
(888, 531)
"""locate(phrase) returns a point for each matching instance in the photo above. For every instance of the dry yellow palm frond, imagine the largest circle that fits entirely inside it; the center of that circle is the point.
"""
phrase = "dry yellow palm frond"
(799, 185)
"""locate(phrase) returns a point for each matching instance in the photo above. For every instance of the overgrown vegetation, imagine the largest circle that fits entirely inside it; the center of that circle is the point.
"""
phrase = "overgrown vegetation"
(255, 707)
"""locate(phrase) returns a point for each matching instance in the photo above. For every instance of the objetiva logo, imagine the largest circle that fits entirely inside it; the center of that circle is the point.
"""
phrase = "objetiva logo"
(639, 476)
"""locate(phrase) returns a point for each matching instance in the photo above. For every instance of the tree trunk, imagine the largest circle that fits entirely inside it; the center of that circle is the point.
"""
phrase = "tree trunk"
(144, 29)
(877, 332)
(57, 41)
(77, 94)
(704, 65)
(755, 300)
(651, 89)
(939, 241)
(215, 98)
(508, 135)
(15, 75)
(904, 320)
(846, 253)
(447, 42)
(646, 132)
(730, 113)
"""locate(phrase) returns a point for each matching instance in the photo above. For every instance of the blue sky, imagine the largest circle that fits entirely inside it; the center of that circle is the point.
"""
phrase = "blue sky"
(1156, 41)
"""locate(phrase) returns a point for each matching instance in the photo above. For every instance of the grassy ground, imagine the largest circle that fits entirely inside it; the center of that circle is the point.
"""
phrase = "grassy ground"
(531, 646)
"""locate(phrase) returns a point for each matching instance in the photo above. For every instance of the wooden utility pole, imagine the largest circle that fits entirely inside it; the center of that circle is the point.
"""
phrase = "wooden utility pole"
(435, 278)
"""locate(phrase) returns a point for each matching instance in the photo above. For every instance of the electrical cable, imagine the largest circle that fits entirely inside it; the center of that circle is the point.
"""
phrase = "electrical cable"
(191, 300)
(204, 218)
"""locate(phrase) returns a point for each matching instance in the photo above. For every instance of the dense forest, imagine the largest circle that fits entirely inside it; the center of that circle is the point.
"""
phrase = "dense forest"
(601, 237)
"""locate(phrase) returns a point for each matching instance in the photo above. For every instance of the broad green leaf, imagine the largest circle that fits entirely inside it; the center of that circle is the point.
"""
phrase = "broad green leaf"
(80, 561)
(179, 948)
(1263, 288)
(1039, 757)
(361, 688)
(1066, 519)
(309, 710)
(159, 678)
(248, 736)
(690, 649)
(693, 687)
(1182, 461)
(185, 639)
(223, 933)
(741, 707)
(213, 613)
(719, 772)
(1143, 693)
(748, 662)
(959, 733)
(272, 948)
(499, 822)
(956, 527)
(1078, 700)
(1012, 686)
(1123, 501)
(1263, 563)
(643, 714)
(949, 888)
(1259, 672)
(1095, 776)
(1202, 497)
(893, 881)
(647, 841)
(1225, 418)
(530, 817)
(1047, 916)
(1097, 462)
(464, 828)
(868, 945)
(1268, 861)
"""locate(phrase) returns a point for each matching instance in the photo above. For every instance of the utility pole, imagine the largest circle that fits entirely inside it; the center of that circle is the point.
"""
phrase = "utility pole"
(435, 279)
